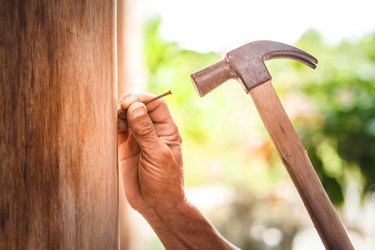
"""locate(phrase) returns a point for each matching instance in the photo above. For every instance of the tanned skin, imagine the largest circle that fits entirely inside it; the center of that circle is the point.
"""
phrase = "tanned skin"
(150, 158)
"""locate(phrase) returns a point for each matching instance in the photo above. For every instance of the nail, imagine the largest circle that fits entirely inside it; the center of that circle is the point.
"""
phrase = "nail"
(158, 97)
(131, 99)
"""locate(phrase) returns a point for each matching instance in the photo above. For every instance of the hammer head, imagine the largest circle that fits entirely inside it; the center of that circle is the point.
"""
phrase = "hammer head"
(246, 64)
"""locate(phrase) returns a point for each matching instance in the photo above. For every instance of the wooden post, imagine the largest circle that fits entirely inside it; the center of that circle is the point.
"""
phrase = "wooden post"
(58, 140)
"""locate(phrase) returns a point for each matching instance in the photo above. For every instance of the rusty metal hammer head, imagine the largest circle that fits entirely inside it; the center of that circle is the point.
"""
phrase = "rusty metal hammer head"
(246, 64)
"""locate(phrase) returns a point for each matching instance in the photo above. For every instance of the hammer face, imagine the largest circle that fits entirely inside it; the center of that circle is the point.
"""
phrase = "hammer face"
(211, 77)
(246, 64)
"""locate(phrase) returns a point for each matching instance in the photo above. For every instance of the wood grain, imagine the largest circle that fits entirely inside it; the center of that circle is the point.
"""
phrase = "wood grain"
(58, 147)
(298, 165)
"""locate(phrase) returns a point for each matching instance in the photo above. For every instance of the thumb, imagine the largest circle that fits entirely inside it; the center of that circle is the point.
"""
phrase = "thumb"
(142, 126)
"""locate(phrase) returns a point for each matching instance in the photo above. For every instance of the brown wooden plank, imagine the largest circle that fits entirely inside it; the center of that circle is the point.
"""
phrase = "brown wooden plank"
(58, 147)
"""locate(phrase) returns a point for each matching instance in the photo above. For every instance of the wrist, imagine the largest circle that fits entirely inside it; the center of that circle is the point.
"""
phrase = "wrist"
(167, 211)
(178, 217)
(188, 228)
(175, 206)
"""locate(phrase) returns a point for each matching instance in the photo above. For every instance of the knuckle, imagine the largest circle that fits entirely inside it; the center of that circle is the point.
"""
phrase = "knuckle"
(165, 152)
(143, 127)
(178, 137)
(165, 155)
(124, 96)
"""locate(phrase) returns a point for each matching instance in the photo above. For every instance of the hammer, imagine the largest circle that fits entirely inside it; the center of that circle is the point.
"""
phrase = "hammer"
(246, 65)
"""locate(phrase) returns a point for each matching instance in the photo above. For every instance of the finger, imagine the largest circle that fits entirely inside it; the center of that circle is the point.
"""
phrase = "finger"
(129, 172)
(157, 109)
(123, 97)
(122, 137)
(122, 131)
(127, 146)
(122, 125)
(127, 100)
(142, 127)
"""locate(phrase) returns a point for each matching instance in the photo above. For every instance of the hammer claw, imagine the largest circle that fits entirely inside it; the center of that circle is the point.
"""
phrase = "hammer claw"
(304, 58)
(246, 64)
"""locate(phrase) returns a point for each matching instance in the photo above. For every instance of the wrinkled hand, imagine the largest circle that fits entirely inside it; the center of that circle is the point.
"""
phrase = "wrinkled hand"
(150, 154)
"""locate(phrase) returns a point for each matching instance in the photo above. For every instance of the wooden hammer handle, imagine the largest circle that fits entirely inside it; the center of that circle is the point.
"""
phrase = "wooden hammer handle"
(299, 167)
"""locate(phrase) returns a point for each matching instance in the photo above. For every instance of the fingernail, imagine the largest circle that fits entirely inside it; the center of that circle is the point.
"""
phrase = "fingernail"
(138, 111)
(127, 102)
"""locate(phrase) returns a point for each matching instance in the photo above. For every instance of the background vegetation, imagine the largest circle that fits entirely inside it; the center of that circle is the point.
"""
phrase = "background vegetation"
(332, 107)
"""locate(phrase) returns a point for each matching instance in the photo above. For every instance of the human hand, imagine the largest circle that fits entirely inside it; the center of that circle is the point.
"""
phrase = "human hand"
(151, 168)
(150, 155)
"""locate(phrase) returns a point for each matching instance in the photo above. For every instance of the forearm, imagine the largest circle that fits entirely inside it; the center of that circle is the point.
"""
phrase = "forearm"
(167, 236)
(184, 227)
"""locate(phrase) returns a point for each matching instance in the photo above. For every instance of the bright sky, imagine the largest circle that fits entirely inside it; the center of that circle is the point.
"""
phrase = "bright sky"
(219, 25)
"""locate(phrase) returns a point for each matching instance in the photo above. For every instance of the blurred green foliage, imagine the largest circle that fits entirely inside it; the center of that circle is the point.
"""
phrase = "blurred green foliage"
(168, 64)
(212, 132)
(338, 130)
(340, 134)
